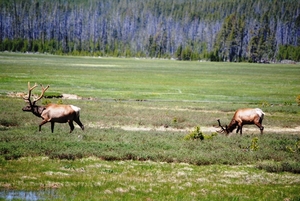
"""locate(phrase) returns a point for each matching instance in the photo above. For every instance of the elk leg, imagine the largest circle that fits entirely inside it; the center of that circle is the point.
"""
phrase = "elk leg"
(52, 126)
(79, 123)
(261, 128)
(42, 123)
(258, 124)
(241, 130)
(71, 126)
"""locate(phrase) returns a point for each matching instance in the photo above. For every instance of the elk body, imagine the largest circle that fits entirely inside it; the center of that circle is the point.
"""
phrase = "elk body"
(242, 117)
(52, 112)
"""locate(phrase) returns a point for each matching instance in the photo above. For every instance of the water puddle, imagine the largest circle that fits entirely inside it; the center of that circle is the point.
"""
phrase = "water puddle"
(28, 195)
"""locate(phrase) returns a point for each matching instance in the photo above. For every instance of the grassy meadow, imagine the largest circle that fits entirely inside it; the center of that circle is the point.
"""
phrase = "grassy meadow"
(146, 79)
(137, 113)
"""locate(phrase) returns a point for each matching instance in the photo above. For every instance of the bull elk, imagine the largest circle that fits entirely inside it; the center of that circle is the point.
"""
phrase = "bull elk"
(242, 117)
(52, 112)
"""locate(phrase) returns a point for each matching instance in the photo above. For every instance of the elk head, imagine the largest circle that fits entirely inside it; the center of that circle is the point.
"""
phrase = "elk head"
(32, 107)
(223, 130)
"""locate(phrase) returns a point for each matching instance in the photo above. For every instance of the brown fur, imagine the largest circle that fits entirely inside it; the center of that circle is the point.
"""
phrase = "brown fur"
(245, 116)
(52, 112)
(55, 113)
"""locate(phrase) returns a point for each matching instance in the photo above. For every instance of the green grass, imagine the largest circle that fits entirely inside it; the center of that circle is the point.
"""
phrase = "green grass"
(134, 180)
(137, 114)
(145, 79)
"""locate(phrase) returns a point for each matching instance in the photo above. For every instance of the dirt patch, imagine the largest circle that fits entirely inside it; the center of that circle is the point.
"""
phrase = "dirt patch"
(16, 95)
(22, 94)
(139, 128)
(246, 129)
(204, 129)
(282, 130)
(71, 96)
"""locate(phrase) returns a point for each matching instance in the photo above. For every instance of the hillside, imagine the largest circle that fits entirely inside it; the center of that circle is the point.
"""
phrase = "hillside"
(231, 30)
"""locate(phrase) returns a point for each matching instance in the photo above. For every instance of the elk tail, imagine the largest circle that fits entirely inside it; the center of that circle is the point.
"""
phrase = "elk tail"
(76, 109)
(260, 113)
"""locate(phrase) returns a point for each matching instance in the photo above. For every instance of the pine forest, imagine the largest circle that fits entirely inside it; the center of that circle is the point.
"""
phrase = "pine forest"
(216, 30)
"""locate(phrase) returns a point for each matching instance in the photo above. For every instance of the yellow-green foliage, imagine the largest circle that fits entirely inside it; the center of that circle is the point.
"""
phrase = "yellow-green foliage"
(46, 102)
(298, 100)
(198, 134)
(297, 147)
(195, 134)
(254, 144)
(59, 101)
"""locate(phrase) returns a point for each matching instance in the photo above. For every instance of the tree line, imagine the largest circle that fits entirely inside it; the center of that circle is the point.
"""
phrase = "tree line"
(230, 30)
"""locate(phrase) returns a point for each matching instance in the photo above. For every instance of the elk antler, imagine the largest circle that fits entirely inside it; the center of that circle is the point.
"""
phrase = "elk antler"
(42, 94)
(222, 128)
(27, 98)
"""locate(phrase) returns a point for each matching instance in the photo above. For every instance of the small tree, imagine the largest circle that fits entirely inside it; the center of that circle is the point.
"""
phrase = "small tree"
(195, 134)
(178, 53)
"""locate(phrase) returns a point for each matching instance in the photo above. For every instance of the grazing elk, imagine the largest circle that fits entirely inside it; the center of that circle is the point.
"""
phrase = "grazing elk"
(52, 112)
(242, 117)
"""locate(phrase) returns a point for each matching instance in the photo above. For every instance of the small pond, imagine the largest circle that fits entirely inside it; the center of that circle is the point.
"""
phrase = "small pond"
(28, 195)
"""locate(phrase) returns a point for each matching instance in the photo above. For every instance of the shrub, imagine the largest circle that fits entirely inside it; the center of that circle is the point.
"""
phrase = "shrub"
(46, 101)
(285, 166)
(270, 166)
(292, 150)
(298, 100)
(254, 144)
(8, 122)
(265, 104)
(53, 95)
(197, 134)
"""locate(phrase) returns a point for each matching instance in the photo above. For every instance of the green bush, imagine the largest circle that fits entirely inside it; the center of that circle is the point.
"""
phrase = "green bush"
(294, 149)
(195, 134)
(298, 100)
(52, 95)
(254, 144)
(276, 167)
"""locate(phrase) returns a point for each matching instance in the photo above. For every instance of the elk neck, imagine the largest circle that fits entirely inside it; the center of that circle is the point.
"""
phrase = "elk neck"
(36, 110)
(231, 126)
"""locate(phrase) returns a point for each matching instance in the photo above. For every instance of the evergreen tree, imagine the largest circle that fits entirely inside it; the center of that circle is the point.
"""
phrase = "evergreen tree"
(229, 43)
(232, 30)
